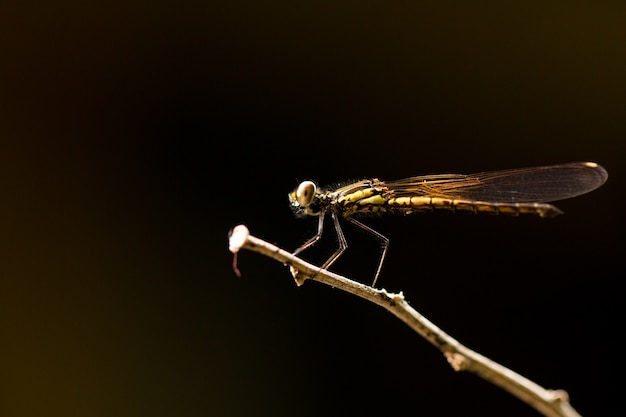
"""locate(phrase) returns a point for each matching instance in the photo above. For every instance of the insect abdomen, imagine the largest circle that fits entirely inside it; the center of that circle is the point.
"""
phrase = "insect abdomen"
(408, 205)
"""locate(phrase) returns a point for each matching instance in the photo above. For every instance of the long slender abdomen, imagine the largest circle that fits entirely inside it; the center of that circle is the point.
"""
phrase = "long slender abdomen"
(408, 205)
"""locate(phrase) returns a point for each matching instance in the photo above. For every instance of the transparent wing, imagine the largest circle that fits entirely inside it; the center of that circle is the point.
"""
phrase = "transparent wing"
(524, 185)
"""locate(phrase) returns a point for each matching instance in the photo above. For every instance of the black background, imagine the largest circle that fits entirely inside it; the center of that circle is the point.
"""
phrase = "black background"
(134, 136)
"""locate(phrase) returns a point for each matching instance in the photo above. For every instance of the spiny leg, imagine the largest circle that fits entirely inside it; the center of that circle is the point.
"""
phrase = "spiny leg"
(384, 240)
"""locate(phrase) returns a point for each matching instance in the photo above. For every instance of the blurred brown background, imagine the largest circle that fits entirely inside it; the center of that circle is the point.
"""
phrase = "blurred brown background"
(133, 136)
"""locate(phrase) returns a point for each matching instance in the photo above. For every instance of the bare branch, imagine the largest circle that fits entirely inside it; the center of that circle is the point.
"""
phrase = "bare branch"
(550, 403)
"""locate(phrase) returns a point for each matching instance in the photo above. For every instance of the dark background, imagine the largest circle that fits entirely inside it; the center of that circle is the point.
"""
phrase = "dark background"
(134, 136)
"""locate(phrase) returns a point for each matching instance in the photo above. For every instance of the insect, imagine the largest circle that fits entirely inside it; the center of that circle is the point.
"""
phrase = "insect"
(523, 191)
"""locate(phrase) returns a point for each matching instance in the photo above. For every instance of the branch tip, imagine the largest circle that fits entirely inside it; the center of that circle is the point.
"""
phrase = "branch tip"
(237, 237)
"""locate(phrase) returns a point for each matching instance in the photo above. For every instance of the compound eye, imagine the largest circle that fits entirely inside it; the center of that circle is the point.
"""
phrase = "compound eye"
(305, 193)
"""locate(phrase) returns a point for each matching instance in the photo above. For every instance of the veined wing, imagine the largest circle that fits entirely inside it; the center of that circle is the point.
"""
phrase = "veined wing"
(523, 185)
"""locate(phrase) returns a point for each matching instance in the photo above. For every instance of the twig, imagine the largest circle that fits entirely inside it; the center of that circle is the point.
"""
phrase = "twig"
(550, 403)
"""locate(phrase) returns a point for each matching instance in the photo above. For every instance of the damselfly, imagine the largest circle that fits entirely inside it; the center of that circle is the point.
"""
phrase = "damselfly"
(509, 192)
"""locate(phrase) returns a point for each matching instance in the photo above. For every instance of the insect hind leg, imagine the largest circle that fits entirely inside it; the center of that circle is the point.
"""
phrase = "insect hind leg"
(381, 238)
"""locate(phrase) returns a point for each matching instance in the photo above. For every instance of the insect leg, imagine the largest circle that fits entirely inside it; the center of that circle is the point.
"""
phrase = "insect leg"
(382, 239)
(318, 235)
(343, 245)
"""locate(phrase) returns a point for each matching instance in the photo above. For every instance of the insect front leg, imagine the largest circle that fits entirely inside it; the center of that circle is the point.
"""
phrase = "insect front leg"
(311, 241)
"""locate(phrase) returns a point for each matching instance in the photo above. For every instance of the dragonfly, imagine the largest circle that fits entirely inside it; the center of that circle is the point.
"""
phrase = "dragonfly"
(513, 192)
